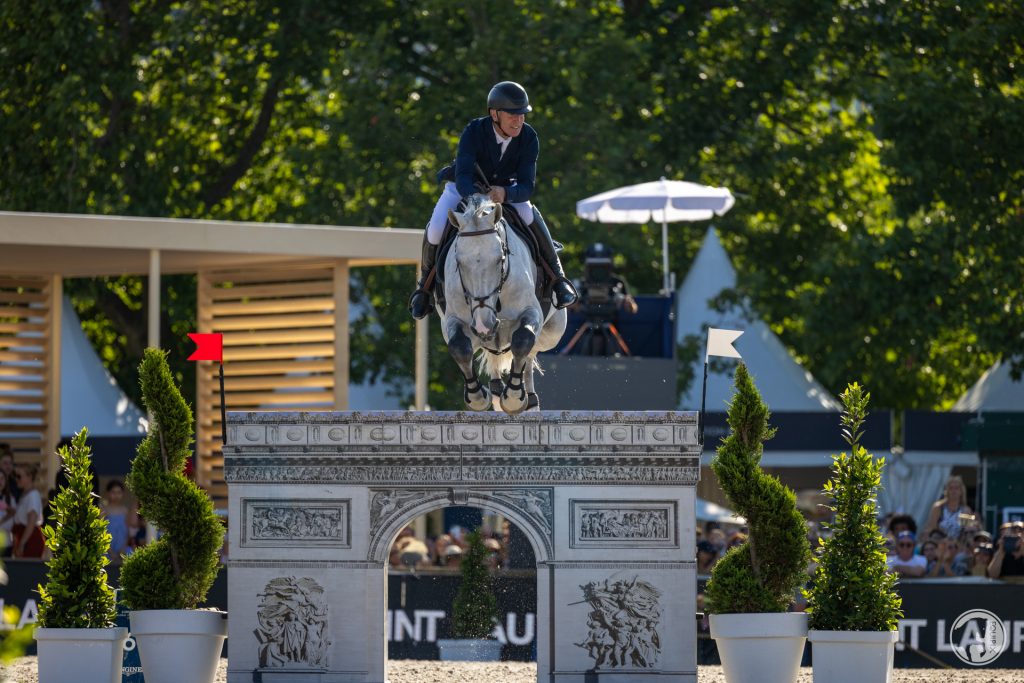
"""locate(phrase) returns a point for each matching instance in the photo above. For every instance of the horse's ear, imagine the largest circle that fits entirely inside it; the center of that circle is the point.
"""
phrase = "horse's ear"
(455, 218)
(497, 213)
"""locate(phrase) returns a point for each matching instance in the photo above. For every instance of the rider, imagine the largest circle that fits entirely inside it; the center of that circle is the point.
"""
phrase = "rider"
(505, 148)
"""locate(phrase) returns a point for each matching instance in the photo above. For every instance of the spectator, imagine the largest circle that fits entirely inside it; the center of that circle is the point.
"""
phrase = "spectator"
(136, 528)
(937, 535)
(737, 538)
(707, 555)
(947, 562)
(116, 514)
(412, 553)
(28, 516)
(981, 538)
(440, 545)
(453, 556)
(8, 504)
(982, 558)
(898, 523)
(946, 512)
(930, 551)
(1008, 559)
(494, 559)
(716, 537)
(7, 467)
(905, 562)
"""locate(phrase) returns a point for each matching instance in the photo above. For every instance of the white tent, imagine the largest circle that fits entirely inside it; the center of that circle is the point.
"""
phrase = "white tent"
(996, 391)
(783, 383)
(713, 512)
(89, 395)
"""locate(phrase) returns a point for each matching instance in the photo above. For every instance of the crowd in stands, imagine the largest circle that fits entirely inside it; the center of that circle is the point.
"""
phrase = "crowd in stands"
(445, 551)
(24, 512)
(952, 542)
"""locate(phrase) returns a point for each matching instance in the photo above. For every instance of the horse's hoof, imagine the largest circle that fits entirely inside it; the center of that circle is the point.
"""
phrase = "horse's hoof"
(512, 410)
(512, 403)
(532, 403)
(478, 400)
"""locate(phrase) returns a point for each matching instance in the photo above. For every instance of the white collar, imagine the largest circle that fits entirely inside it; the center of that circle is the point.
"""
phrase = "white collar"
(500, 139)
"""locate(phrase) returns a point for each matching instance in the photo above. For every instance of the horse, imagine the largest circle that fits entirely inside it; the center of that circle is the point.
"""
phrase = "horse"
(492, 310)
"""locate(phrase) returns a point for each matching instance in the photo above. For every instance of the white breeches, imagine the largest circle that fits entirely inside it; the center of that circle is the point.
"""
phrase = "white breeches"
(449, 200)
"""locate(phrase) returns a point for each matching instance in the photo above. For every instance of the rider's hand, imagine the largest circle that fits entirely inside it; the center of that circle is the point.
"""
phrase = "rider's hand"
(497, 194)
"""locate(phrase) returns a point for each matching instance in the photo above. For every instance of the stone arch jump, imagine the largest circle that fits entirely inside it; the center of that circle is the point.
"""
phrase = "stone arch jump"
(607, 500)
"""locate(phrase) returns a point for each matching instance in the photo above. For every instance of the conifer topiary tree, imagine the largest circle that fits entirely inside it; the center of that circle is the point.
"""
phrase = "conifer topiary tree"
(852, 591)
(177, 570)
(475, 610)
(764, 573)
(76, 593)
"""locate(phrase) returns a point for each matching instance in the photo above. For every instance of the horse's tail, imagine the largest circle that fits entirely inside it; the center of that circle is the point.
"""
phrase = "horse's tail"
(498, 364)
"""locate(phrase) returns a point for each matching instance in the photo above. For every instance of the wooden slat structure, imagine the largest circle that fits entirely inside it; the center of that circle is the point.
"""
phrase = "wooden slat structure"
(278, 292)
(282, 347)
(30, 310)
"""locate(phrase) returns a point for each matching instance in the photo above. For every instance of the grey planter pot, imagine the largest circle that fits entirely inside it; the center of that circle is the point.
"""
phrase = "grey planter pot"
(177, 645)
(80, 655)
(853, 656)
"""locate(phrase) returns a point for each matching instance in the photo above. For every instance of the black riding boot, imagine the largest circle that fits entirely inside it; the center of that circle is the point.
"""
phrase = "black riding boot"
(562, 293)
(421, 302)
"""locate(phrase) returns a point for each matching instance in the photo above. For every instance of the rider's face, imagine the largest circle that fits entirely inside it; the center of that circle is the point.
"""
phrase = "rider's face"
(509, 125)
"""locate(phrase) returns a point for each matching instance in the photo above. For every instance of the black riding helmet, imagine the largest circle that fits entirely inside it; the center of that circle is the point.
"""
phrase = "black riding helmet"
(509, 97)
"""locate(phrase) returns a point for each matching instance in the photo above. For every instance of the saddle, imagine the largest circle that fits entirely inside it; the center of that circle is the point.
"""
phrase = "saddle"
(545, 278)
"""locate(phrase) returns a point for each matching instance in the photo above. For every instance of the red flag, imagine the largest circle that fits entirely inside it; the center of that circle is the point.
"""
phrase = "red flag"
(208, 347)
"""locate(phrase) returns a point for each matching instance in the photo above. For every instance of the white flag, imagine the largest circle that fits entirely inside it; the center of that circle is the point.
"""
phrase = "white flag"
(720, 343)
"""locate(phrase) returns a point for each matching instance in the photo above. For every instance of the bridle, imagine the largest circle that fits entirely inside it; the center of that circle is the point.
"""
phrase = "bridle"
(481, 302)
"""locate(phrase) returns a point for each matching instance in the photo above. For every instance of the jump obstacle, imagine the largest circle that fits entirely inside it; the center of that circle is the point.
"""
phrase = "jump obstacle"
(606, 499)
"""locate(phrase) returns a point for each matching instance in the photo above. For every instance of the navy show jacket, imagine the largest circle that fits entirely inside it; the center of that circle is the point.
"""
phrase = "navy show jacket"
(516, 171)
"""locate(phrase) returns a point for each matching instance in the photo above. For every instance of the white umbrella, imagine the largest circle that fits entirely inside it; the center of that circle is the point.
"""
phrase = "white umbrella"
(663, 200)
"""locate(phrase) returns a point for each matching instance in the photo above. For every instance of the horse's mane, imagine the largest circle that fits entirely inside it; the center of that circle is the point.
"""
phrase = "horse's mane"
(479, 205)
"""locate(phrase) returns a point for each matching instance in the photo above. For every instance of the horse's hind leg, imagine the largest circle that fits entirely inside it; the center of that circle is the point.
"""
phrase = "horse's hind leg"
(460, 347)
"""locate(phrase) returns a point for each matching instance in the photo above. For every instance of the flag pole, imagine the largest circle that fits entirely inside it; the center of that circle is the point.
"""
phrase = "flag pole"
(703, 399)
(224, 411)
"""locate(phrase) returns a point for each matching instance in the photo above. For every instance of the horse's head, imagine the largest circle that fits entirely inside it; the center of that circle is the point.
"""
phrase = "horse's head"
(481, 254)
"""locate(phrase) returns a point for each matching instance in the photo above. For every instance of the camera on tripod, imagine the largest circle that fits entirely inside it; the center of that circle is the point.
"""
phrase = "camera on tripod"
(600, 300)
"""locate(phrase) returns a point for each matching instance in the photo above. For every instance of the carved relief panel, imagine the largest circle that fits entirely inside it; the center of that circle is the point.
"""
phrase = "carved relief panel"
(275, 523)
(623, 524)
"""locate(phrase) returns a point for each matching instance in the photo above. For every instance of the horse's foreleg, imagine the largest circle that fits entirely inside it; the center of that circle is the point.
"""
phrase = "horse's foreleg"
(514, 395)
(532, 399)
(460, 347)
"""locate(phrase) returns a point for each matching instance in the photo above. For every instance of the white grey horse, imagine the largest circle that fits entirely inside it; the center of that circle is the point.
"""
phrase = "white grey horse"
(492, 310)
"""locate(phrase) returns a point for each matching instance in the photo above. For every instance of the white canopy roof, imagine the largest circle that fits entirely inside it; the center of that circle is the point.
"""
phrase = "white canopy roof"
(995, 391)
(783, 383)
(661, 201)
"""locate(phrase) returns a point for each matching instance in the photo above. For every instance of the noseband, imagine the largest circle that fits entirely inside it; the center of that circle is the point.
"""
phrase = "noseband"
(481, 301)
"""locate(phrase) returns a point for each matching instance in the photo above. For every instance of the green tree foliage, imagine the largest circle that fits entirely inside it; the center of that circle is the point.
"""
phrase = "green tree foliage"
(475, 610)
(871, 146)
(177, 570)
(76, 593)
(852, 591)
(764, 573)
